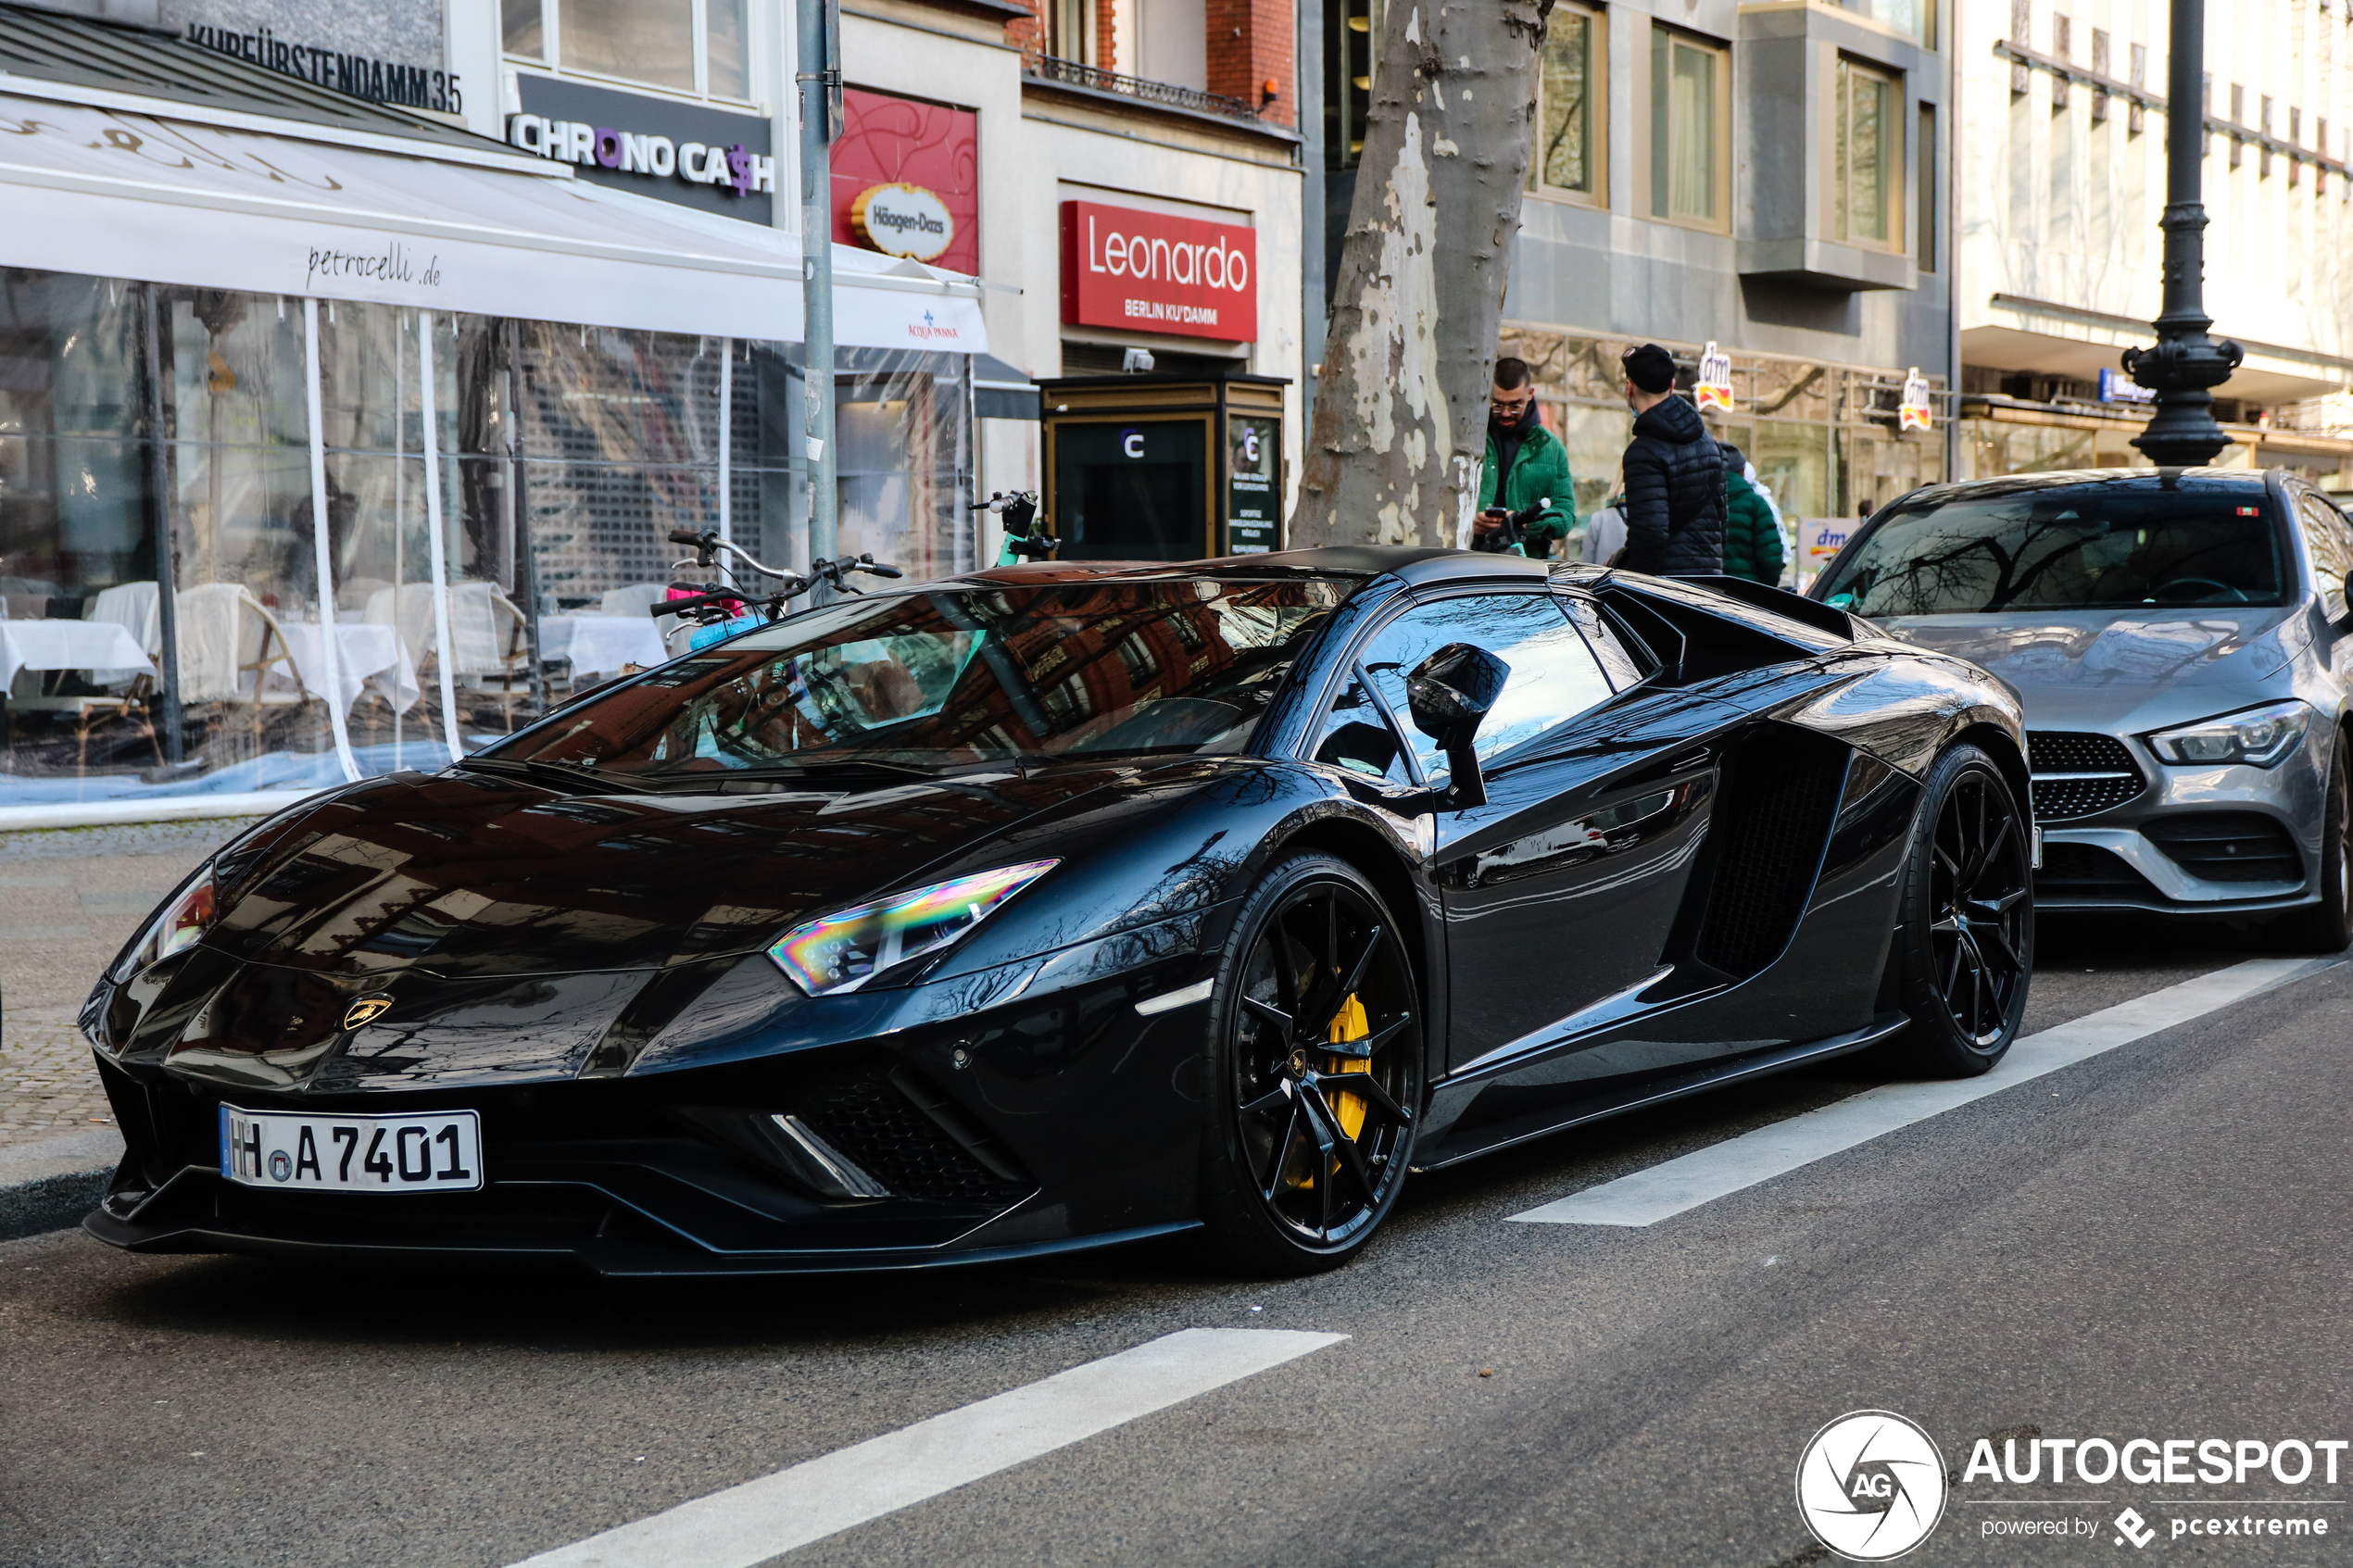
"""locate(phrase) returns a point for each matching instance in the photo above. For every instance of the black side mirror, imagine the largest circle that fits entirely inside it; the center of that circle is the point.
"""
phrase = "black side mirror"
(1449, 694)
(2349, 597)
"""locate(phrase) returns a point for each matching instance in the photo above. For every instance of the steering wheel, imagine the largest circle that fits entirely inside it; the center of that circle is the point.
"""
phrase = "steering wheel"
(2164, 595)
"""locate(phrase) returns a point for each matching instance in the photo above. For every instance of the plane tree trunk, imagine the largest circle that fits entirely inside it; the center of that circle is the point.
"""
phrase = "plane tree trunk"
(1400, 406)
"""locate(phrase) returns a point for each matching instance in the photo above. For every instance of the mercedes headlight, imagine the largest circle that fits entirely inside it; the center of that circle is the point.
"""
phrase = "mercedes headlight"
(188, 916)
(840, 952)
(2262, 736)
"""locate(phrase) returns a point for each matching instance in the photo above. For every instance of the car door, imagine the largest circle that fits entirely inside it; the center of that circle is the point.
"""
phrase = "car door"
(1558, 892)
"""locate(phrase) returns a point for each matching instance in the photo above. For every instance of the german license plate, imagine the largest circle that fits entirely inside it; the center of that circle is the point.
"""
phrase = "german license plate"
(430, 1151)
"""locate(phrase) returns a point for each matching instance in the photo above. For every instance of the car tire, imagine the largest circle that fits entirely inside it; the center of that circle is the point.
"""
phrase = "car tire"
(1314, 987)
(1965, 951)
(2327, 926)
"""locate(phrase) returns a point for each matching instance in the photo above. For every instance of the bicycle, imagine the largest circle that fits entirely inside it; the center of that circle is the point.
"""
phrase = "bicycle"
(715, 605)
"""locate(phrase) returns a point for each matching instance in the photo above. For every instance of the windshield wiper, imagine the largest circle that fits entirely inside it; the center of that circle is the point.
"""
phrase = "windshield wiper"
(835, 765)
(569, 774)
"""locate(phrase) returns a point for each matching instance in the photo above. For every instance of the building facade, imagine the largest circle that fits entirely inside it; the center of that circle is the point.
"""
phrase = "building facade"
(2063, 181)
(1770, 178)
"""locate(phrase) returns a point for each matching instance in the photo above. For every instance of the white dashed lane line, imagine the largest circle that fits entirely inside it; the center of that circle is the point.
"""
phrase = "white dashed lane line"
(754, 1521)
(1664, 1191)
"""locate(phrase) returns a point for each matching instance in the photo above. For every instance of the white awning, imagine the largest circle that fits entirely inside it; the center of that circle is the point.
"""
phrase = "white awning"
(116, 194)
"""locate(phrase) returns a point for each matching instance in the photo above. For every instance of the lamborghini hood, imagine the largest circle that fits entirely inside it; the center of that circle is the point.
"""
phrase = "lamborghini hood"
(470, 876)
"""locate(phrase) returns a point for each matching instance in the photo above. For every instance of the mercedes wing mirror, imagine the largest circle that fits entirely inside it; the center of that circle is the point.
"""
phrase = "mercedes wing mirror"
(1449, 694)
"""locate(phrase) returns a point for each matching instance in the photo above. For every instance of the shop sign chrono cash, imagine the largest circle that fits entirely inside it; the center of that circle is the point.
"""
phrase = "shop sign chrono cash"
(1156, 272)
(733, 167)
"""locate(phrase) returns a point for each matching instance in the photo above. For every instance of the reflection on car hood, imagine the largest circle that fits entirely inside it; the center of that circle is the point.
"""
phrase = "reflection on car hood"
(468, 875)
(2100, 669)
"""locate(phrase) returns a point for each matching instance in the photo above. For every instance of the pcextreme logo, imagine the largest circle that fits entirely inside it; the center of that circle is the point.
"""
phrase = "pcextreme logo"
(1871, 1486)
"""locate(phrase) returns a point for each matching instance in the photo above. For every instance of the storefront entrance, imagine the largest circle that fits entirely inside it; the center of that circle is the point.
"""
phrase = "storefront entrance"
(1164, 468)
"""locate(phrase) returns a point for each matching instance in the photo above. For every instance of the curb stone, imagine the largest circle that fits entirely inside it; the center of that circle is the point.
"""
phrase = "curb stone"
(49, 1185)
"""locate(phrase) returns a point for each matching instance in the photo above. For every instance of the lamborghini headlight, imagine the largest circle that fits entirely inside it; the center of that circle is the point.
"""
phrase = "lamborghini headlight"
(840, 952)
(2262, 736)
(188, 916)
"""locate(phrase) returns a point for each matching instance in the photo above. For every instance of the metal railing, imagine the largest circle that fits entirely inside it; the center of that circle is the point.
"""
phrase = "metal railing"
(1072, 73)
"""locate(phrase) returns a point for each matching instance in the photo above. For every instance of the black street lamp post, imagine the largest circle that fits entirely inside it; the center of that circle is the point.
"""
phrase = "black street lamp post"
(2186, 361)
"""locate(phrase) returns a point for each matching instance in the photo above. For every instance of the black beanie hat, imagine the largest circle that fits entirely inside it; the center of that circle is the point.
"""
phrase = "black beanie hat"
(1649, 367)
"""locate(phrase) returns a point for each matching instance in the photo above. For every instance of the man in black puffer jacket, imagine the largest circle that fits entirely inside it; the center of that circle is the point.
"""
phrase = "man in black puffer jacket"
(1675, 504)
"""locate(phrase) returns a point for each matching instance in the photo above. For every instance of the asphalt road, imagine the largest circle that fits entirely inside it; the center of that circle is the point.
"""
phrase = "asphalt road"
(2149, 1243)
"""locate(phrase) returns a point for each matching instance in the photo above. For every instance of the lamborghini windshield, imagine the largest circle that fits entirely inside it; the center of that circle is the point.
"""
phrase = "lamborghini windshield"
(2073, 547)
(935, 679)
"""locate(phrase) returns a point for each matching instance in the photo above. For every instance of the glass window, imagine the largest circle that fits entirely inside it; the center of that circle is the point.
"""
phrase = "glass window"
(1554, 674)
(2117, 545)
(1685, 126)
(649, 41)
(526, 32)
(1569, 114)
(730, 63)
(1929, 190)
(1868, 144)
(1358, 736)
(2324, 536)
(942, 677)
(660, 42)
(1348, 80)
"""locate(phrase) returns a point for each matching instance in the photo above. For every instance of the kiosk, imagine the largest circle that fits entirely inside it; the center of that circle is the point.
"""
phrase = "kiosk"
(1164, 467)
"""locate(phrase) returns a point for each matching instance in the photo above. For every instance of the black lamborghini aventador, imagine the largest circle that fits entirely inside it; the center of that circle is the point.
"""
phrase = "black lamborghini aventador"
(1070, 904)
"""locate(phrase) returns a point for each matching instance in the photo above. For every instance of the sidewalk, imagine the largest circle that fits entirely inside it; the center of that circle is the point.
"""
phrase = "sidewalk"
(68, 900)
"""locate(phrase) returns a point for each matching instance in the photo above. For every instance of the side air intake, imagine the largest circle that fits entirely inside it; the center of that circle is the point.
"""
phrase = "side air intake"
(1773, 816)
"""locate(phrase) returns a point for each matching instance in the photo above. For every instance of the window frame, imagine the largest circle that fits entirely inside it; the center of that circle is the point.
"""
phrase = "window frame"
(1649, 156)
(1893, 200)
(1597, 132)
(550, 60)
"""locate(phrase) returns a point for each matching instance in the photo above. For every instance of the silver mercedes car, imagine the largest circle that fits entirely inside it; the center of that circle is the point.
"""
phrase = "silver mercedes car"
(2181, 642)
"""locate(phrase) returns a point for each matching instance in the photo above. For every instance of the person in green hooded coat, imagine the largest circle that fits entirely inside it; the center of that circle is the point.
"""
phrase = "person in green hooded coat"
(1526, 467)
(1752, 528)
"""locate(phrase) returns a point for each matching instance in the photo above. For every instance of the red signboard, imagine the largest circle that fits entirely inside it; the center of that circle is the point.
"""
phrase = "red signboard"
(1149, 272)
(905, 169)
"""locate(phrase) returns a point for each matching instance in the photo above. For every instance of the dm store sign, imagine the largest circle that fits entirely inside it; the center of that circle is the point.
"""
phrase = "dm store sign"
(1153, 272)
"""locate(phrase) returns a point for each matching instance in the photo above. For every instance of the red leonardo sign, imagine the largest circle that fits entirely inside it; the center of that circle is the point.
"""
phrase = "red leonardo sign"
(1151, 272)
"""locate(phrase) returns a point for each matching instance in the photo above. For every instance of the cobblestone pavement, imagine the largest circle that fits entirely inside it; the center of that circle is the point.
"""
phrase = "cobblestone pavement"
(68, 900)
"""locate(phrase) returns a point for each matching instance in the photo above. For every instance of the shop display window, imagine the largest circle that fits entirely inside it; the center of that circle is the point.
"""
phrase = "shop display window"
(130, 412)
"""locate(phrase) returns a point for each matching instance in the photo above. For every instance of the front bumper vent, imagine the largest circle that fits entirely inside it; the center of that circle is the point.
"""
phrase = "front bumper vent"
(2088, 874)
(2228, 847)
(2080, 774)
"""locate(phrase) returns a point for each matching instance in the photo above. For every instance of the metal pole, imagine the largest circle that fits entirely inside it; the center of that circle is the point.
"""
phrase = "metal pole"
(818, 79)
(726, 432)
(433, 534)
(2185, 363)
(166, 572)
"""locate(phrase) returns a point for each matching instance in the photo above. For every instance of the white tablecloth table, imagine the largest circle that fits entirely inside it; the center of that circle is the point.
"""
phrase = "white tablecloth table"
(66, 645)
(601, 644)
(370, 658)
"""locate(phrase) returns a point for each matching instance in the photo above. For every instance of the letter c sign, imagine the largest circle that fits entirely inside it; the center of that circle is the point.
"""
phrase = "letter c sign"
(1132, 442)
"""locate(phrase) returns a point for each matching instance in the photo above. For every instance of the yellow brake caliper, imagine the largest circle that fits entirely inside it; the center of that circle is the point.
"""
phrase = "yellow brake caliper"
(1349, 1025)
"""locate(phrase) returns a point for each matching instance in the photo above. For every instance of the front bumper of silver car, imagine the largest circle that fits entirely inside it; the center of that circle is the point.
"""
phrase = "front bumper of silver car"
(2230, 839)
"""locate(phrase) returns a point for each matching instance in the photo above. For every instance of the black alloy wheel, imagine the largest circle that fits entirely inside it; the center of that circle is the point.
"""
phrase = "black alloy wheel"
(2327, 926)
(1967, 948)
(1316, 1053)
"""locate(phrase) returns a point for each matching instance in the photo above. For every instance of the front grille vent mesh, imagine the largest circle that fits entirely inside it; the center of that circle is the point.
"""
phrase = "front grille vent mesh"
(868, 1119)
(2118, 776)
(2086, 873)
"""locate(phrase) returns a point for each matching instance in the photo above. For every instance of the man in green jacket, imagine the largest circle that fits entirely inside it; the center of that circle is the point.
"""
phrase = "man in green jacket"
(1526, 467)
(1752, 530)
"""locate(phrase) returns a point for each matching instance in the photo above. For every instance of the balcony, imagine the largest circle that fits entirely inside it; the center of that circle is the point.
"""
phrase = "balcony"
(1162, 94)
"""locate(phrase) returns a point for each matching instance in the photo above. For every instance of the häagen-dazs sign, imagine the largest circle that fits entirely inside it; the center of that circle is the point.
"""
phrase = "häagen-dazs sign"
(902, 220)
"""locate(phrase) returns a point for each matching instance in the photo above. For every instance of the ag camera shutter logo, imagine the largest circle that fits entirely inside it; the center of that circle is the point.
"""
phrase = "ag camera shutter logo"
(1871, 1486)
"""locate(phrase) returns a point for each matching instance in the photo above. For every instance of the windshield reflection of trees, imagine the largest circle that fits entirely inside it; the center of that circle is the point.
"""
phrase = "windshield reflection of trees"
(2054, 553)
(944, 678)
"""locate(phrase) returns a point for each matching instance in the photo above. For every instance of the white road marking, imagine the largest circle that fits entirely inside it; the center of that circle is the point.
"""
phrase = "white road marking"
(1664, 1191)
(754, 1521)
